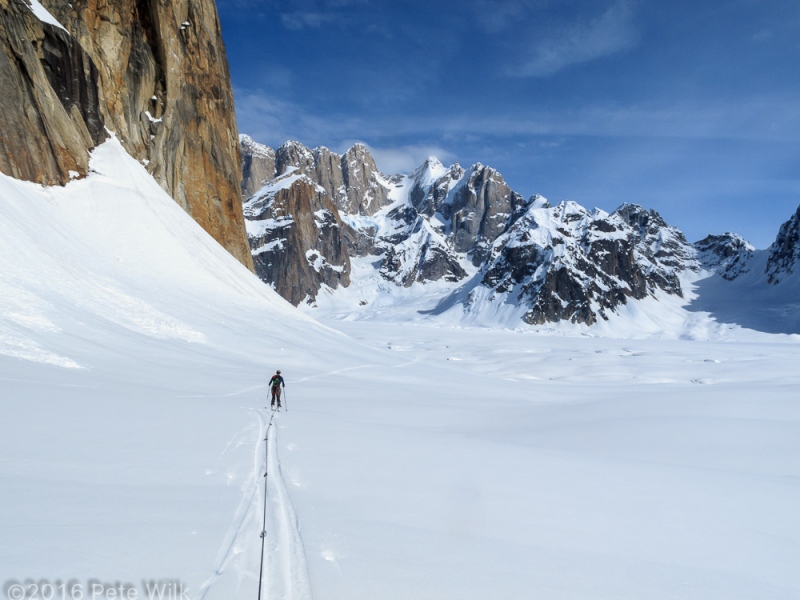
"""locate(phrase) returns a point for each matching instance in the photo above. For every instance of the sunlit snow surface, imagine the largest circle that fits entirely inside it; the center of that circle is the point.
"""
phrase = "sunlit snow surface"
(416, 461)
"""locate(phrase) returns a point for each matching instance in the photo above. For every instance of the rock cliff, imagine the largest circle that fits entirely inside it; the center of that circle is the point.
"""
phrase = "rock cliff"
(296, 237)
(784, 254)
(154, 73)
(49, 101)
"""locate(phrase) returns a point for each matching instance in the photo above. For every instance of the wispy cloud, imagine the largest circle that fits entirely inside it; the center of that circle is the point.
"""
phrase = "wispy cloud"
(316, 14)
(296, 21)
(404, 159)
(273, 121)
(581, 42)
(494, 16)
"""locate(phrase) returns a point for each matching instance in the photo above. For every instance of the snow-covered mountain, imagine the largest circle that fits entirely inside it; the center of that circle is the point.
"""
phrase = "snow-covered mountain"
(758, 289)
(728, 254)
(487, 249)
(569, 263)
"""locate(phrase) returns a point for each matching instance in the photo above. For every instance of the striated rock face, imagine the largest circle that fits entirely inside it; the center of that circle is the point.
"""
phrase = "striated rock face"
(296, 236)
(367, 190)
(328, 173)
(295, 178)
(155, 73)
(49, 99)
(480, 210)
(258, 165)
(784, 254)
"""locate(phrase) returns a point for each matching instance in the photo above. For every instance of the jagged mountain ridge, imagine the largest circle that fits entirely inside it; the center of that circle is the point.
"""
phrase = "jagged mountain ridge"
(467, 229)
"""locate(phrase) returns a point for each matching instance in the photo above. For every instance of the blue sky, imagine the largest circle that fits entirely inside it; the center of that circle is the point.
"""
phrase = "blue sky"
(690, 108)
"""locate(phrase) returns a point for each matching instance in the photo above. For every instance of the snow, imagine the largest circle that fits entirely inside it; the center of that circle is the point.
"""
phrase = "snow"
(257, 229)
(152, 119)
(319, 263)
(43, 14)
(418, 459)
(750, 300)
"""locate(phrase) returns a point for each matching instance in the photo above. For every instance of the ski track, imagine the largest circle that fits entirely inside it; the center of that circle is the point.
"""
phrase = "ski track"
(334, 373)
(229, 395)
(248, 508)
(288, 573)
(309, 378)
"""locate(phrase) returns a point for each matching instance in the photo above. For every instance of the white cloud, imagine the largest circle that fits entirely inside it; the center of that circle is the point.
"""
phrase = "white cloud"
(301, 20)
(404, 159)
(273, 122)
(588, 40)
(494, 16)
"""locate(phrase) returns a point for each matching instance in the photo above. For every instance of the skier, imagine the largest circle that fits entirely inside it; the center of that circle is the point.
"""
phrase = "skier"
(275, 383)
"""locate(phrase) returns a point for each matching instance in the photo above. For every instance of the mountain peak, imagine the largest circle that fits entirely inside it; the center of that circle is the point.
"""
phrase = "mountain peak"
(784, 254)
(254, 148)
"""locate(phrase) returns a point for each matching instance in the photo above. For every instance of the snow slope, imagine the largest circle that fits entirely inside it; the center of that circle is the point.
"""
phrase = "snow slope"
(414, 461)
(751, 300)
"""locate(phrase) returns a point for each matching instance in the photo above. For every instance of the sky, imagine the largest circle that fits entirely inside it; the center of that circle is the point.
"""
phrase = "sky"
(691, 108)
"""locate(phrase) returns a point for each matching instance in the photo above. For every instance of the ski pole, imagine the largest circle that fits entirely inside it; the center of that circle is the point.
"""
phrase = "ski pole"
(285, 403)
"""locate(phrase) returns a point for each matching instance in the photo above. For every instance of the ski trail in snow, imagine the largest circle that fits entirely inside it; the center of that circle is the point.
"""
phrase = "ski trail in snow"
(290, 570)
(247, 510)
(310, 377)
(228, 395)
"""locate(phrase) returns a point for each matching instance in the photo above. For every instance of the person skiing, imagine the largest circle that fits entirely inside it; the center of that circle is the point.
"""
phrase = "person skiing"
(275, 383)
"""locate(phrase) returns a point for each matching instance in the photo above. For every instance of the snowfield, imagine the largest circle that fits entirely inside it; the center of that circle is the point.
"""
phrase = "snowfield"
(418, 459)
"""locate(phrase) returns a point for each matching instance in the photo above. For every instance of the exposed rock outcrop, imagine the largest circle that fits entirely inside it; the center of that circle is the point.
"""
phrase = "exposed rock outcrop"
(480, 210)
(49, 99)
(784, 254)
(568, 263)
(728, 254)
(154, 72)
(367, 190)
(294, 177)
(258, 165)
(296, 236)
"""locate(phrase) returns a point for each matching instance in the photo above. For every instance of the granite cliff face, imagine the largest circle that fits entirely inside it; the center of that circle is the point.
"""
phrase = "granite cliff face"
(154, 73)
(295, 200)
(258, 165)
(49, 102)
(296, 237)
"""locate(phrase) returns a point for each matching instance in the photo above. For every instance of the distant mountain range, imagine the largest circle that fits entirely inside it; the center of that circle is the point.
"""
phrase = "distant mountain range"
(311, 212)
